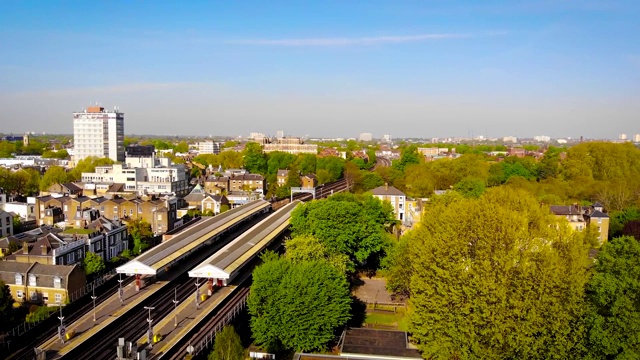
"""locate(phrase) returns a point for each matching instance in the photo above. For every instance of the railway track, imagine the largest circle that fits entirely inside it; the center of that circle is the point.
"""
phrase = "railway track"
(27, 352)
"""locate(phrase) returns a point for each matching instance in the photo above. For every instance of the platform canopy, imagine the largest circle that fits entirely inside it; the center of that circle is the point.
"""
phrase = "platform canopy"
(135, 267)
(208, 271)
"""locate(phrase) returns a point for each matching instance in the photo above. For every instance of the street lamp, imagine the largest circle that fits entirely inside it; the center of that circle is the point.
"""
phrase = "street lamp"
(150, 321)
(94, 297)
(120, 292)
(61, 329)
(197, 288)
(175, 308)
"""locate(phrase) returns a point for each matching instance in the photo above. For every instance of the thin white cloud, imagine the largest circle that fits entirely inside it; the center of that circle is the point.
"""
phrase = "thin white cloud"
(353, 41)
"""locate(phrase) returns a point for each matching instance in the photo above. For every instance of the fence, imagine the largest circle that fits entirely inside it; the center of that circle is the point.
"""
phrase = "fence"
(74, 296)
(209, 338)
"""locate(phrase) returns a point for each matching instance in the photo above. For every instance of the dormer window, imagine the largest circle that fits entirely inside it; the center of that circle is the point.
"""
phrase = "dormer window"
(32, 280)
(18, 279)
(57, 282)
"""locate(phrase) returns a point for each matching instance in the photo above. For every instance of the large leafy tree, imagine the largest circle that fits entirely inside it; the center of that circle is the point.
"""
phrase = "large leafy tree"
(227, 345)
(332, 168)
(255, 161)
(54, 175)
(353, 225)
(613, 294)
(140, 232)
(297, 306)
(309, 248)
(497, 277)
(93, 264)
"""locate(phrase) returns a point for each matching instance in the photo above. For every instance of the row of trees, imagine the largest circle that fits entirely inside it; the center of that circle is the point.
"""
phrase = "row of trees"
(605, 172)
(501, 277)
(298, 300)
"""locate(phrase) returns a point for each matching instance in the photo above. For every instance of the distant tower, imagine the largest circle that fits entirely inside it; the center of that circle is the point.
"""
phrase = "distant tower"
(98, 132)
(622, 137)
(279, 134)
(25, 140)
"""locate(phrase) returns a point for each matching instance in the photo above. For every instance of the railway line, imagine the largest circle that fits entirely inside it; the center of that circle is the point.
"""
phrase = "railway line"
(159, 268)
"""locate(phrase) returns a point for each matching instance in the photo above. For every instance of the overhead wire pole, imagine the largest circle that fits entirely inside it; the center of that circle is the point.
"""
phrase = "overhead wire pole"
(61, 329)
(197, 288)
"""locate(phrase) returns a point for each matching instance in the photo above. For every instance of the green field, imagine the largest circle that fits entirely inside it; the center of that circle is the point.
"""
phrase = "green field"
(396, 320)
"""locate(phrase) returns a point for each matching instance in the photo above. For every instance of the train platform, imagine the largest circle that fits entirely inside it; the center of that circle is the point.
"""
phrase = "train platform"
(133, 294)
(187, 317)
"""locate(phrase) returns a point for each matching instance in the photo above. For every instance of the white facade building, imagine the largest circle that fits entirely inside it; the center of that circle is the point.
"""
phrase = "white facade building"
(542, 138)
(208, 147)
(366, 137)
(98, 132)
(394, 196)
(512, 139)
(636, 138)
(163, 179)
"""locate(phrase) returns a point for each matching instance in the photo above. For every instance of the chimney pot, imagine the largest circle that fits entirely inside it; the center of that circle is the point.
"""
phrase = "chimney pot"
(25, 248)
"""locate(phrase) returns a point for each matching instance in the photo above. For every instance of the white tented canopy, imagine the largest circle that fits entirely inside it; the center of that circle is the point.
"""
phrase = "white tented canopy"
(135, 267)
(209, 271)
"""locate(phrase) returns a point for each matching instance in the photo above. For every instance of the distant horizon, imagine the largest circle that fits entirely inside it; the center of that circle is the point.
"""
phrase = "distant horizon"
(326, 69)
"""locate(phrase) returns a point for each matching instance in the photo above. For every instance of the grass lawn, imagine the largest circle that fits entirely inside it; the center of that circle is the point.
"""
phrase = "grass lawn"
(391, 319)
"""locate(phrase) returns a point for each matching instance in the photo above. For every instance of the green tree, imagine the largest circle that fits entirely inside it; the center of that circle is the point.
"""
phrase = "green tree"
(497, 277)
(613, 314)
(182, 147)
(470, 188)
(408, 156)
(140, 232)
(230, 159)
(93, 264)
(7, 312)
(54, 175)
(353, 225)
(306, 163)
(61, 154)
(227, 345)
(297, 306)
(309, 248)
(255, 161)
(332, 165)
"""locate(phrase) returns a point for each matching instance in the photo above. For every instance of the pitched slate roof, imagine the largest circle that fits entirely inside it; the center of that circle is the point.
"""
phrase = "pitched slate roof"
(387, 190)
(283, 173)
(565, 210)
(598, 214)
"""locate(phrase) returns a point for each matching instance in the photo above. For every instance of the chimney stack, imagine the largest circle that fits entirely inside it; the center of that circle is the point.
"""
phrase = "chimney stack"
(386, 186)
(43, 250)
(25, 248)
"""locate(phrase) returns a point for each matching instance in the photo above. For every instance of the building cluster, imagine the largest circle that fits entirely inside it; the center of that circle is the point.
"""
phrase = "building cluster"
(581, 217)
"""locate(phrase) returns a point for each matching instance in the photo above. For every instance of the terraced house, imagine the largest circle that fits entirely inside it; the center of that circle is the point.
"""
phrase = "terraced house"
(41, 283)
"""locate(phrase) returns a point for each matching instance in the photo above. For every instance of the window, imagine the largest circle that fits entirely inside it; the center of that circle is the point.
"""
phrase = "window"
(19, 294)
(97, 246)
(33, 296)
(131, 212)
(45, 297)
(57, 283)
(32, 280)
(18, 279)
(58, 298)
(70, 258)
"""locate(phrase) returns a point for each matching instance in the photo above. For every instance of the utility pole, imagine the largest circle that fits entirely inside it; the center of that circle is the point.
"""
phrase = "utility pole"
(94, 297)
(175, 307)
(150, 321)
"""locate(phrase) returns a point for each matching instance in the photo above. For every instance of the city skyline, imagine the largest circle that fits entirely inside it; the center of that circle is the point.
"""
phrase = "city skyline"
(333, 69)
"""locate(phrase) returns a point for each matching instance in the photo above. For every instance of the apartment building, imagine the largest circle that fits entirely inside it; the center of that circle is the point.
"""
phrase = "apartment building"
(158, 180)
(6, 223)
(208, 147)
(98, 132)
(248, 182)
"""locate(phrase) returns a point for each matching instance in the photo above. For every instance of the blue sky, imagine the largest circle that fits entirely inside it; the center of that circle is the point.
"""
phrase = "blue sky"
(327, 68)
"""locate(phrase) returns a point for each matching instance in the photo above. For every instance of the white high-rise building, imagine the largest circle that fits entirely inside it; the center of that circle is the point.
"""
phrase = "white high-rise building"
(622, 137)
(542, 138)
(366, 137)
(98, 132)
(279, 134)
(636, 138)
